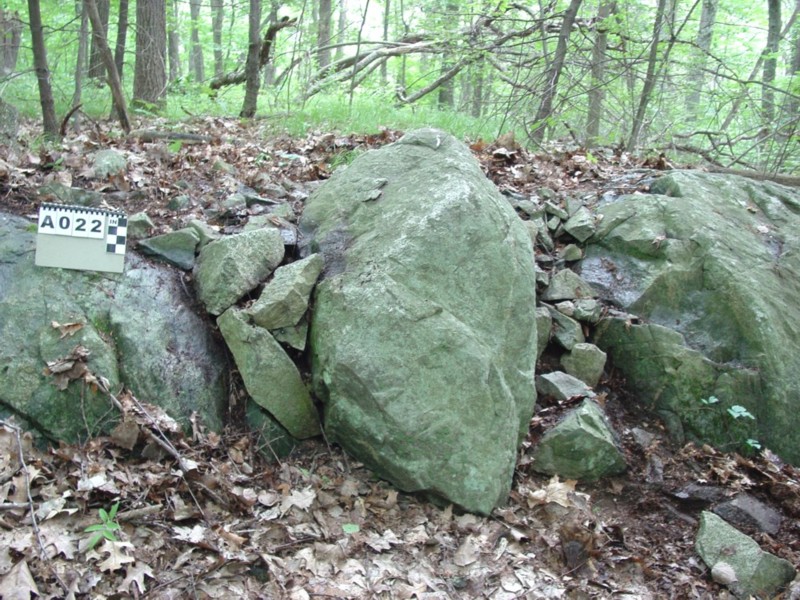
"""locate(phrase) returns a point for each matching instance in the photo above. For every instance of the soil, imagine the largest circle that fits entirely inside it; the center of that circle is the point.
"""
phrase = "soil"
(205, 515)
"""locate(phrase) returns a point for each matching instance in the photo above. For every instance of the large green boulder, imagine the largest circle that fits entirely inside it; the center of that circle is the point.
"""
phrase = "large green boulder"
(139, 328)
(423, 334)
(711, 264)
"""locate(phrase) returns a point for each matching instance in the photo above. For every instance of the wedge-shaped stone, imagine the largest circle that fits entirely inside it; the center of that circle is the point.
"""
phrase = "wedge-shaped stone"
(232, 266)
(284, 300)
(270, 376)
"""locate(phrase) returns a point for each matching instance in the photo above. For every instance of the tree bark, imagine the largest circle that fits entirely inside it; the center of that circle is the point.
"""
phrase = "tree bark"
(105, 53)
(150, 74)
(217, 17)
(554, 73)
(705, 35)
(11, 34)
(446, 97)
(770, 63)
(387, 7)
(122, 34)
(341, 26)
(597, 92)
(50, 124)
(174, 42)
(252, 68)
(196, 65)
(96, 68)
(80, 60)
(324, 34)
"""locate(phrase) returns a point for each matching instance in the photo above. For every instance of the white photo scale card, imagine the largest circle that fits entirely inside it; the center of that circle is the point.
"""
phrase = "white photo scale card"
(83, 238)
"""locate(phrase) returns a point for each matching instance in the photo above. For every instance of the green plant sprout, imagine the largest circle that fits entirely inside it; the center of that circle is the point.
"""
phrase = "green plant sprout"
(106, 528)
(737, 412)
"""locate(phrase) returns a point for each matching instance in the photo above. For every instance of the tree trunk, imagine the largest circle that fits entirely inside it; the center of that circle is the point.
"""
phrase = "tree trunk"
(122, 34)
(11, 34)
(252, 68)
(792, 106)
(80, 61)
(705, 35)
(174, 43)
(554, 73)
(478, 89)
(341, 27)
(105, 54)
(150, 74)
(770, 63)
(447, 90)
(42, 71)
(96, 69)
(196, 66)
(387, 7)
(650, 77)
(597, 92)
(217, 17)
(324, 34)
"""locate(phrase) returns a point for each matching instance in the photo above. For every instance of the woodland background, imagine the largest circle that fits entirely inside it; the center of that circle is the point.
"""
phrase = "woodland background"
(717, 80)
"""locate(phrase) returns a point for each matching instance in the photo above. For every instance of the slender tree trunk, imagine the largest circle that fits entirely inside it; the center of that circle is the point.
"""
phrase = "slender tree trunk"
(108, 60)
(387, 7)
(770, 63)
(96, 69)
(217, 18)
(42, 71)
(447, 90)
(705, 35)
(174, 42)
(122, 34)
(792, 106)
(150, 72)
(597, 92)
(554, 73)
(341, 27)
(477, 89)
(196, 53)
(80, 61)
(324, 34)
(650, 77)
(269, 67)
(11, 33)
(252, 69)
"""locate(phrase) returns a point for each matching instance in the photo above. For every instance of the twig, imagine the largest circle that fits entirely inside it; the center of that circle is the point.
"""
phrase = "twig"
(138, 513)
(34, 522)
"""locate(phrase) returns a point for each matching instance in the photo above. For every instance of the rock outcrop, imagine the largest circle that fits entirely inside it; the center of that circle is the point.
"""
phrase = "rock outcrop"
(423, 336)
(712, 265)
(139, 328)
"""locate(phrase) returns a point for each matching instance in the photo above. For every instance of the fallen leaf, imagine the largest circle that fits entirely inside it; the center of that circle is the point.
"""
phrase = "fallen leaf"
(67, 328)
(117, 555)
(18, 584)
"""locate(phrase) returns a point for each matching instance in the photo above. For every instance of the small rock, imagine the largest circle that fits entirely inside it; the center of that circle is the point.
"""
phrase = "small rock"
(586, 362)
(561, 386)
(587, 310)
(177, 247)
(530, 208)
(571, 252)
(295, 336)
(567, 307)
(284, 300)
(566, 331)
(139, 226)
(567, 285)
(723, 574)
(746, 511)
(205, 232)
(234, 203)
(553, 223)
(234, 265)
(555, 210)
(755, 572)
(542, 276)
(108, 163)
(581, 446)
(179, 202)
(581, 225)
(544, 326)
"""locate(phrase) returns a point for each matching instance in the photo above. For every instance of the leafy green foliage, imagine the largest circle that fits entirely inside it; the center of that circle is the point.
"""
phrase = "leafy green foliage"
(106, 528)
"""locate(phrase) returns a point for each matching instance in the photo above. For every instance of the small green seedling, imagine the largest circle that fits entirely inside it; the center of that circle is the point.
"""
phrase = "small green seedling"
(738, 412)
(710, 400)
(106, 528)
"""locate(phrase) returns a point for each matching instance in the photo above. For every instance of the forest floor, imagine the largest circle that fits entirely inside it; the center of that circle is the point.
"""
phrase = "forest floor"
(211, 518)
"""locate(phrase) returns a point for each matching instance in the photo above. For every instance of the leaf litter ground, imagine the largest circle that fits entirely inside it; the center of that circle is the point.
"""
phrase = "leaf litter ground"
(204, 515)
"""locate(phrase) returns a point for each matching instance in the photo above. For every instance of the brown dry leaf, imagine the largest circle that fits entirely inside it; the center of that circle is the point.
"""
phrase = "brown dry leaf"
(302, 499)
(117, 555)
(468, 552)
(126, 433)
(67, 328)
(135, 575)
(555, 491)
(18, 584)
